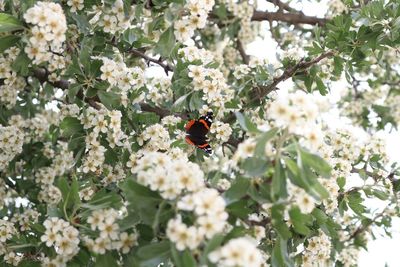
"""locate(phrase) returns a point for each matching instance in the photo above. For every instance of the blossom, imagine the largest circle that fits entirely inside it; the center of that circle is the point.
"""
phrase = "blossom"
(237, 252)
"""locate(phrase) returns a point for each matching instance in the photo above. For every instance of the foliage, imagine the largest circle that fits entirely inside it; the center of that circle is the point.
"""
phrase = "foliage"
(94, 170)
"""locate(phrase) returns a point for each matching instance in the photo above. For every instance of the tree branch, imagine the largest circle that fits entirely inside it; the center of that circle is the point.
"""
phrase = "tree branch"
(283, 6)
(162, 112)
(290, 72)
(43, 76)
(167, 68)
(293, 18)
(245, 57)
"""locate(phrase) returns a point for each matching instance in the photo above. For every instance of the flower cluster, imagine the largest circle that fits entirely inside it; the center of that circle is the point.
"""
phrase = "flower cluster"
(7, 230)
(298, 113)
(209, 208)
(243, 11)
(11, 141)
(12, 258)
(193, 53)
(75, 5)
(196, 19)
(25, 219)
(110, 237)
(113, 20)
(239, 252)
(300, 198)
(393, 102)
(11, 83)
(212, 83)
(159, 90)
(170, 176)
(36, 127)
(337, 7)
(118, 75)
(349, 256)
(48, 32)
(221, 130)
(317, 252)
(156, 138)
(113, 174)
(63, 237)
(62, 162)
(101, 122)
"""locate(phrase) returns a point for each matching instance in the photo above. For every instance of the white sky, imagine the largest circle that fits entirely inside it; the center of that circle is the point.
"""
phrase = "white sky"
(383, 250)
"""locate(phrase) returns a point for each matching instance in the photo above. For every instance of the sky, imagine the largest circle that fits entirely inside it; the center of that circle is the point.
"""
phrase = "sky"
(383, 250)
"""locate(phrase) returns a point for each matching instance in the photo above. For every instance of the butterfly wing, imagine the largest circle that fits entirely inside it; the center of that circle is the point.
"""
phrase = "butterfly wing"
(196, 131)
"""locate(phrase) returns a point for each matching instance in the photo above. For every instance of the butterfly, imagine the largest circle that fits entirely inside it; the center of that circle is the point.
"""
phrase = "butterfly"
(196, 131)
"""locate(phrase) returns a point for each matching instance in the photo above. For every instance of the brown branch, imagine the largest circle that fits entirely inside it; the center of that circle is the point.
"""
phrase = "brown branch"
(362, 228)
(283, 6)
(293, 18)
(245, 57)
(42, 75)
(162, 112)
(167, 68)
(290, 72)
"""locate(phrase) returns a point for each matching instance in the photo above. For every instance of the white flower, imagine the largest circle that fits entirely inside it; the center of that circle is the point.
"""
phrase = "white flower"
(183, 31)
(237, 252)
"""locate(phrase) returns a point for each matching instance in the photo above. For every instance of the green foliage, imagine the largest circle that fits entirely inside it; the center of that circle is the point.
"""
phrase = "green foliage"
(254, 172)
(9, 23)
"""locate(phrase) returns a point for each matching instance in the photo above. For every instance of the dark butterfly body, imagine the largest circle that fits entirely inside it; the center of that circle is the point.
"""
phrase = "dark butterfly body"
(196, 131)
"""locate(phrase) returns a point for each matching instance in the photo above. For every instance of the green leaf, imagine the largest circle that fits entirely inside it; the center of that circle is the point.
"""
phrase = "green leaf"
(106, 260)
(142, 201)
(82, 22)
(280, 255)
(239, 209)
(237, 190)
(355, 203)
(320, 216)
(129, 221)
(212, 245)
(254, 166)
(21, 63)
(130, 36)
(101, 200)
(341, 182)
(179, 104)
(109, 99)
(70, 126)
(166, 43)
(321, 86)
(279, 223)
(278, 187)
(9, 23)
(8, 41)
(73, 91)
(382, 195)
(262, 141)
(246, 123)
(153, 254)
(316, 162)
(188, 259)
(300, 221)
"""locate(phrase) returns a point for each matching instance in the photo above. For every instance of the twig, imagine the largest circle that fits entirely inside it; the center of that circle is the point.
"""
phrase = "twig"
(167, 68)
(245, 57)
(293, 18)
(290, 72)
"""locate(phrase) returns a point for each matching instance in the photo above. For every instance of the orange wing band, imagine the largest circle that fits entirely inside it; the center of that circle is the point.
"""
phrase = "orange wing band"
(205, 124)
(189, 124)
(189, 141)
(203, 146)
